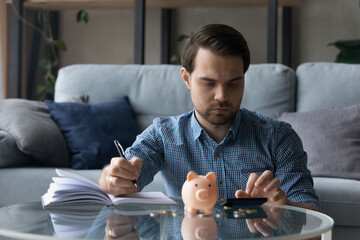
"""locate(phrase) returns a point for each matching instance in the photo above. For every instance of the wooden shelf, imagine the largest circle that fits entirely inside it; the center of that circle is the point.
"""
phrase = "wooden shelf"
(128, 4)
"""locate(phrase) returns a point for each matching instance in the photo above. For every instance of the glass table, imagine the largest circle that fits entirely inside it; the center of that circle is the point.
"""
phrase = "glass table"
(270, 221)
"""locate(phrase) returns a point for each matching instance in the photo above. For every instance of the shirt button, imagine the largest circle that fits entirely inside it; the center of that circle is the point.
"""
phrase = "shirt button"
(217, 155)
(220, 182)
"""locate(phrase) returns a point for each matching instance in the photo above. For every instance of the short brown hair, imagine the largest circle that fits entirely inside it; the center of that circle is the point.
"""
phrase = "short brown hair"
(221, 39)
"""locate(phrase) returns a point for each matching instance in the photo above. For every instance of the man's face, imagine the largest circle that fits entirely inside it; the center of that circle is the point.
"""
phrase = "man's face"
(216, 86)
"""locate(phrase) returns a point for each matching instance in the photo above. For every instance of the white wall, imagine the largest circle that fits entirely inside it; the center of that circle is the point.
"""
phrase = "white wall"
(108, 38)
(321, 22)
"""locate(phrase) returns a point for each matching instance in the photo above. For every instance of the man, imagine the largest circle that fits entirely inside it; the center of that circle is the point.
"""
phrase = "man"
(252, 155)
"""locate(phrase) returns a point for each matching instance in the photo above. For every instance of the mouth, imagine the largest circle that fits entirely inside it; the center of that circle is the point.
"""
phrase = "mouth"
(221, 109)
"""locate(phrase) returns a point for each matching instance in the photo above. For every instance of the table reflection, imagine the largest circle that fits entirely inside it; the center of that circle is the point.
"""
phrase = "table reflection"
(154, 222)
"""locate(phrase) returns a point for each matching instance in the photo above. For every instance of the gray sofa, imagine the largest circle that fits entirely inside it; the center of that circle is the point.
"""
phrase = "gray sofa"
(158, 90)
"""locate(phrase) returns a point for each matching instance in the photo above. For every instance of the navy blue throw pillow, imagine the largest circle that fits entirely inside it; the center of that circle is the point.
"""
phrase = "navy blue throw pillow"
(90, 129)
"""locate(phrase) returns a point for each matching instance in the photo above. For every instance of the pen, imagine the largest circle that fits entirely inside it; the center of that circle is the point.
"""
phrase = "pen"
(122, 154)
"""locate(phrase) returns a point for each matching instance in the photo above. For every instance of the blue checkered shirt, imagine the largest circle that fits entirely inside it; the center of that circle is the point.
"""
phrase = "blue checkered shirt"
(254, 143)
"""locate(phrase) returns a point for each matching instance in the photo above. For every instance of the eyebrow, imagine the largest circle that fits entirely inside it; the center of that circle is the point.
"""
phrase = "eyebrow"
(230, 80)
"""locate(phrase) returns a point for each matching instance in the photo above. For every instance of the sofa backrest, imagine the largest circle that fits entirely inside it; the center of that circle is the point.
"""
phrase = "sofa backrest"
(322, 85)
(153, 91)
(269, 89)
(158, 90)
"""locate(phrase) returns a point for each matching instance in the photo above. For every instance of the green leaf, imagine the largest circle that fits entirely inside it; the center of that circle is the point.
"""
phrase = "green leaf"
(349, 55)
(82, 15)
(41, 16)
(349, 51)
(60, 45)
(45, 65)
(41, 91)
(346, 43)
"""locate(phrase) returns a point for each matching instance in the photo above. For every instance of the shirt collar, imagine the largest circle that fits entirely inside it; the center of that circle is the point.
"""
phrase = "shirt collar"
(195, 126)
(234, 127)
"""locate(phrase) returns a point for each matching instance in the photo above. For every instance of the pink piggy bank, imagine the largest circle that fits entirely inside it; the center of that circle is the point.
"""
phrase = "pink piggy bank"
(195, 227)
(199, 192)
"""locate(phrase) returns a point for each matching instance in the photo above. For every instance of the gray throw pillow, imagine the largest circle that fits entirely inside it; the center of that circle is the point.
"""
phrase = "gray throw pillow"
(10, 155)
(331, 138)
(35, 133)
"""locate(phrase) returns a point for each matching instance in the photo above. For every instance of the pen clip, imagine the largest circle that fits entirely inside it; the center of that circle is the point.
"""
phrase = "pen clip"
(119, 148)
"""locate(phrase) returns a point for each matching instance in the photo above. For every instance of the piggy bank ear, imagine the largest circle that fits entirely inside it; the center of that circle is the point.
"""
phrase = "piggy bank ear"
(211, 176)
(191, 175)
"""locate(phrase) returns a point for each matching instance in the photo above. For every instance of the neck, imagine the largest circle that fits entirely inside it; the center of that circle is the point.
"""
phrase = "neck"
(216, 132)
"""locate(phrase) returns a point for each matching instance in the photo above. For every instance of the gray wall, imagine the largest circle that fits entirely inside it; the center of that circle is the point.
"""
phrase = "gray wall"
(108, 37)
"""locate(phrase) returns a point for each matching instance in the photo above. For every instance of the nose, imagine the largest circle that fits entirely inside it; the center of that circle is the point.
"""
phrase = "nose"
(220, 93)
(202, 194)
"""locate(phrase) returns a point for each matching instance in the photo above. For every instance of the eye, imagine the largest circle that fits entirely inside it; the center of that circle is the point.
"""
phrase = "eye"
(209, 185)
(209, 84)
(196, 185)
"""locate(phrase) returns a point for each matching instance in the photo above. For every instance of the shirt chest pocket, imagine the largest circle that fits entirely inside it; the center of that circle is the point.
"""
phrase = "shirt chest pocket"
(239, 178)
(245, 174)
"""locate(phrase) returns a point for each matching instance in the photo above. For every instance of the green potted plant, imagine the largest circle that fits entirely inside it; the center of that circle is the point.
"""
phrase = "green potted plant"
(50, 63)
(349, 51)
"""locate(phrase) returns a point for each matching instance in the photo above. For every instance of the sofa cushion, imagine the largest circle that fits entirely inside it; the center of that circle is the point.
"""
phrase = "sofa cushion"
(331, 138)
(340, 199)
(10, 155)
(322, 85)
(269, 89)
(90, 130)
(35, 133)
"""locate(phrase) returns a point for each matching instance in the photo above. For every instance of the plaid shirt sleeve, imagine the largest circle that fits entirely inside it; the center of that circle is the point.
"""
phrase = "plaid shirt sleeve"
(291, 167)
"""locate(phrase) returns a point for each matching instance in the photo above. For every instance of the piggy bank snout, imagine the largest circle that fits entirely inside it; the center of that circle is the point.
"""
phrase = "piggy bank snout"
(202, 194)
(202, 232)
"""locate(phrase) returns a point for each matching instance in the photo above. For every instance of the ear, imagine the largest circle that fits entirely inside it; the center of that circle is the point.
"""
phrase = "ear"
(186, 77)
(191, 175)
(211, 176)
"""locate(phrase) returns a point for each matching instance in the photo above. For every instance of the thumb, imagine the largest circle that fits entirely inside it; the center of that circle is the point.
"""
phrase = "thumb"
(136, 162)
(241, 194)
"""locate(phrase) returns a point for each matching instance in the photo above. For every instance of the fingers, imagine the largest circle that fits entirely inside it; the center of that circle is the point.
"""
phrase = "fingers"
(241, 194)
(264, 186)
(279, 197)
(250, 225)
(273, 185)
(264, 179)
(137, 164)
(258, 225)
(251, 183)
(256, 181)
(263, 228)
(120, 167)
(119, 175)
(121, 227)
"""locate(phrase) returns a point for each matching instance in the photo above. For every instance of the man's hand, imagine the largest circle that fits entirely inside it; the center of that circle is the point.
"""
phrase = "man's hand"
(117, 177)
(266, 225)
(121, 227)
(263, 186)
(268, 186)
